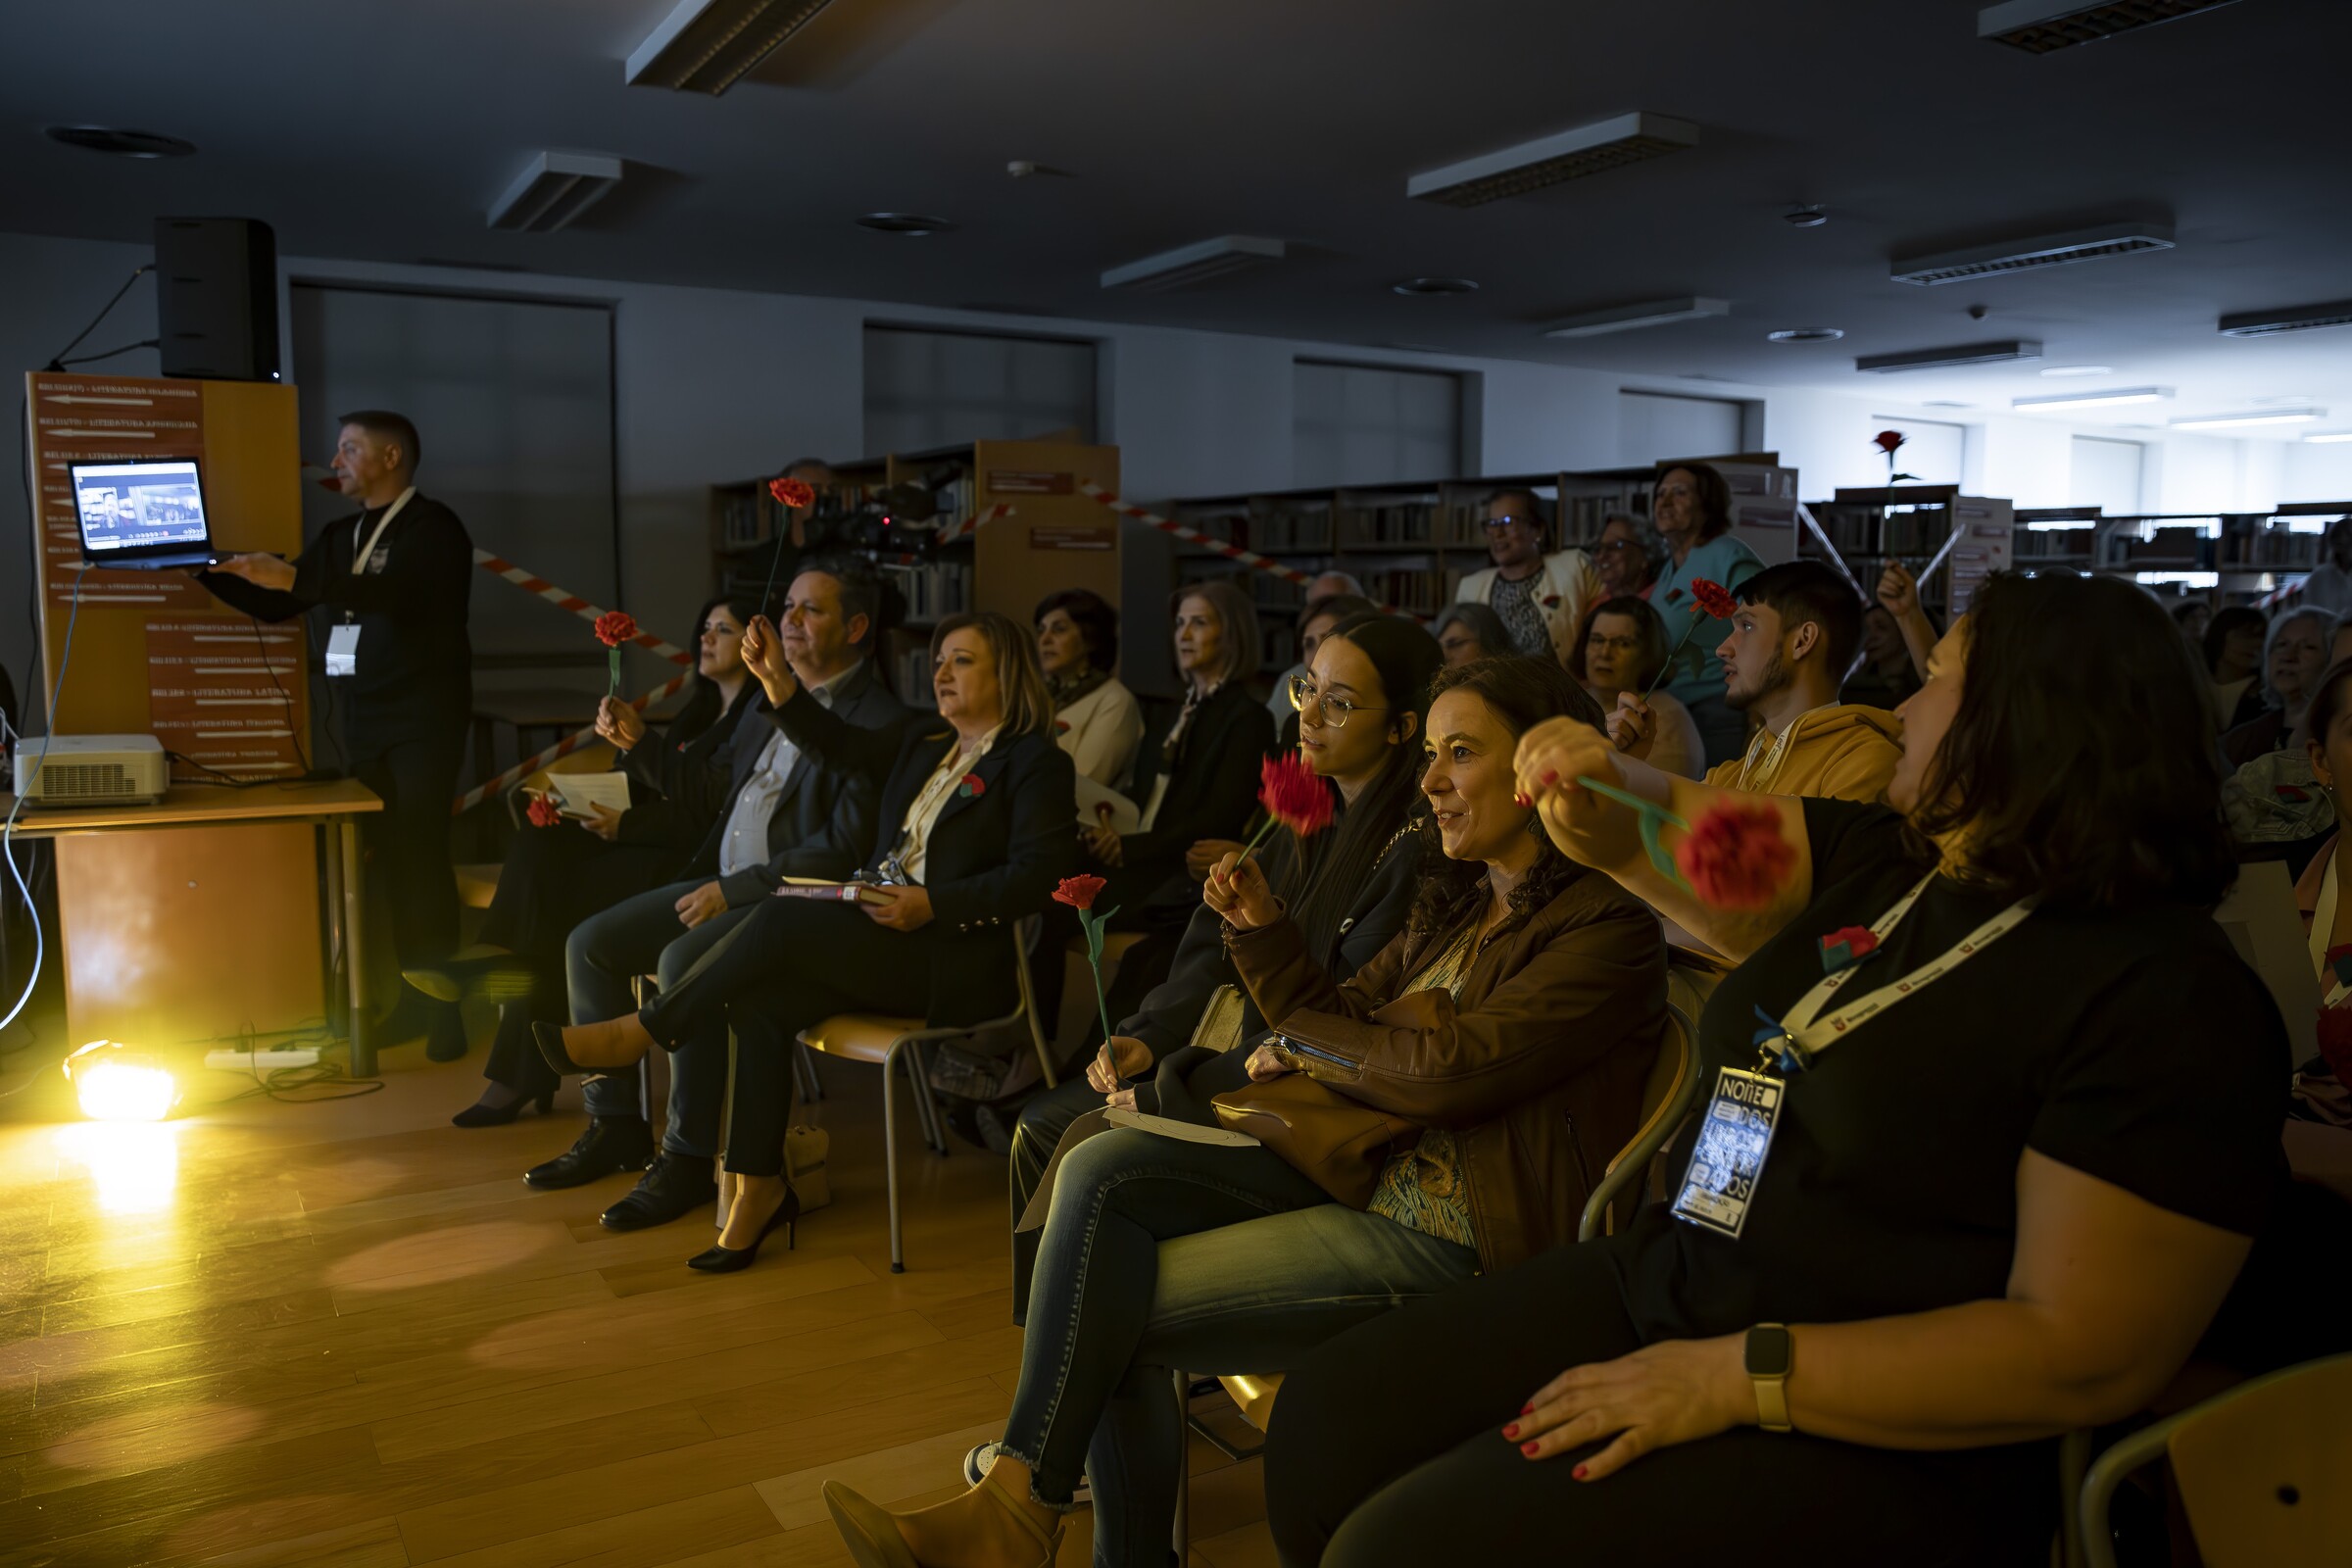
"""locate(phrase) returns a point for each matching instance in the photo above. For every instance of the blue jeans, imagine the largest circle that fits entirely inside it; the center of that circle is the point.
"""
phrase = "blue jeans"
(1161, 1254)
(642, 935)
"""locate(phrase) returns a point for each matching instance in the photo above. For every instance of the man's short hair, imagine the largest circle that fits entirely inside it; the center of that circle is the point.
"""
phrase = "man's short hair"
(1536, 508)
(860, 591)
(385, 425)
(1801, 591)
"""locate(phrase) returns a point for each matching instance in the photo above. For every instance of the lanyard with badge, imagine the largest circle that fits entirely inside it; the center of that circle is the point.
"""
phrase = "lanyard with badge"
(1735, 1135)
(343, 642)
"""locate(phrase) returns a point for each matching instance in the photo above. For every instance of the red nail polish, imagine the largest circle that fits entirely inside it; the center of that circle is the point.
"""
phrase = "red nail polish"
(1551, 776)
(1578, 1472)
(1529, 1408)
(1511, 1431)
(1528, 1448)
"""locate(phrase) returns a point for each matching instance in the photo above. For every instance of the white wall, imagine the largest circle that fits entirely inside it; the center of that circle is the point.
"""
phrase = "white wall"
(717, 385)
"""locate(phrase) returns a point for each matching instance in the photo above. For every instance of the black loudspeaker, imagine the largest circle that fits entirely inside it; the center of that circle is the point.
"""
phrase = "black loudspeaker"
(216, 298)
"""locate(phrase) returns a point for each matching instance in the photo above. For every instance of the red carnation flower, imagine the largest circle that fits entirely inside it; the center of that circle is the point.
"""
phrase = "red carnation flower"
(974, 785)
(543, 812)
(796, 494)
(1857, 939)
(615, 627)
(1293, 795)
(1079, 892)
(1737, 858)
(1888, 440)
(1713, 598)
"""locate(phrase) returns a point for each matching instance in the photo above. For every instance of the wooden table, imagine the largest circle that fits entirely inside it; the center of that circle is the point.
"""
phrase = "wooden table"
(333, 807)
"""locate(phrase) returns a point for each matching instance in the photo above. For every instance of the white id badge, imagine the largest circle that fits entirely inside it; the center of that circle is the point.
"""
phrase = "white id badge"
(343, 649)
(1729, 1158)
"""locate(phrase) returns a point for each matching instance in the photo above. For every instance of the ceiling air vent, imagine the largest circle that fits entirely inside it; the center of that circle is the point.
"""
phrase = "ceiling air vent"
(1187, 264)
(2030, 255)
(1550, 160)
(1943, 359)
(552, 189)
(2301, 318)
(708, 45)
(2038, 26)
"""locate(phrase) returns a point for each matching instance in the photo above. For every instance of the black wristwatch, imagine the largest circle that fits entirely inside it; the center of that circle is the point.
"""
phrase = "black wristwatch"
(1771, 1352)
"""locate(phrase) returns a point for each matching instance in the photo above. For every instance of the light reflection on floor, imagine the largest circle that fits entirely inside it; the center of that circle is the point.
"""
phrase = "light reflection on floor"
(133, 1166)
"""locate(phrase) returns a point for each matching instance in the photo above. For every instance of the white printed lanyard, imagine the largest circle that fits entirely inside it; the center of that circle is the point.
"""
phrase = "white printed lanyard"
(363, 554)
(1803, 1033)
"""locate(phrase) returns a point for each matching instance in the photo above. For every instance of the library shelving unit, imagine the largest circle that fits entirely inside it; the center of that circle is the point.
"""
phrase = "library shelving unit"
(2227, 558)
(1910, 523)
(1054, 538)
(1412, 542)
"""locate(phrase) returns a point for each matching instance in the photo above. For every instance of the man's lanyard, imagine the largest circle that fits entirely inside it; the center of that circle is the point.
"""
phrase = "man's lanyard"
(363, 554)
(1803, 1032)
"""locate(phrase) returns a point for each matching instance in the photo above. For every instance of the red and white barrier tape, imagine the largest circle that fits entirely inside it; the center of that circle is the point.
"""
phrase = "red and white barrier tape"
(1231, 552)
(562, 747)
(579, 606)
(971, 525)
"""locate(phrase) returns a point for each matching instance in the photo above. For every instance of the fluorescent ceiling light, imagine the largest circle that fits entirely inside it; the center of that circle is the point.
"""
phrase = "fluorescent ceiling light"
(1805, 335)
(2038, 26)
(2092, 400)
(708, 45)
(2328, 438)
(552, 189)
(1187, 264)
(1550, 160)
(2301, 318)
(1626, 318)
(2056, 370)
(2031, 254)
(2224, 422)
(1940, 359)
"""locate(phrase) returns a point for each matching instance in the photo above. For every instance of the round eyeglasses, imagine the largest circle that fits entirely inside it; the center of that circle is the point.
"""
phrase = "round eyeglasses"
(1335, 710)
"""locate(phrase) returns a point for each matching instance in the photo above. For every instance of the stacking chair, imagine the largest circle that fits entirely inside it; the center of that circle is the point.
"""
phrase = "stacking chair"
(902, 1045)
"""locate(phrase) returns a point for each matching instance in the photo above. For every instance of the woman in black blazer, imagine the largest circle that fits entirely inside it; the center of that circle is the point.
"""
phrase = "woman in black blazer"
(973, 836)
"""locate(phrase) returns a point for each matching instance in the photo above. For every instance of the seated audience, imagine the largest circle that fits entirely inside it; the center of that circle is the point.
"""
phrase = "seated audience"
(1360, 711)
(1691, 506)
(1096, 719)
(2293, 657)
(1469, 632)
(2323, 1086)
(2232, 658)
(1627, 557)
(1622, 651)
(1887, 676)
(1985, 1219)
(2330, 586)
(1540, 597)
(973, 836)
(1506, 1032)
(1322, 587)
(1321, 615)
(1793, 635)
(2192, 615)
(554, 877)
(779, 822)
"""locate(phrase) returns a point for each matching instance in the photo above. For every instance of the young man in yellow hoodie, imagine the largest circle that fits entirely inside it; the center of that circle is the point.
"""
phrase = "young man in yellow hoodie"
(1791, 645)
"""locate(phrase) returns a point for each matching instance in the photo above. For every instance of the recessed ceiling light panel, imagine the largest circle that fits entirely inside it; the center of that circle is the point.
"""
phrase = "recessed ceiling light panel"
(2326, 438)
(1627, 318)
(2033, 254)
(1605, 144)
(120, 143)
(2228, 422)
(914, 224)
(1187, 264)
(2057, 372)
(2300, 319)
(2092, 400)
(2038, 26)
(1942, 358)
(706, 46)
(1805, 335)
(1420, 287)
(552, 189)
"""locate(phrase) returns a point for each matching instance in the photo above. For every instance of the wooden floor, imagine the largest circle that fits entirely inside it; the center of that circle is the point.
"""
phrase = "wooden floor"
(348, 1335)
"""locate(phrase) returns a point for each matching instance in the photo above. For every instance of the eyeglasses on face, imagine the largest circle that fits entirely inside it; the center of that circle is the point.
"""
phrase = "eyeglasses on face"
(1512, 520)
(1335, 710)
(1617, 544)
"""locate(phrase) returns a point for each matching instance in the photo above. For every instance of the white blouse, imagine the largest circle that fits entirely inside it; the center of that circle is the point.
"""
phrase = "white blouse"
(1101, 731)
(914, 838)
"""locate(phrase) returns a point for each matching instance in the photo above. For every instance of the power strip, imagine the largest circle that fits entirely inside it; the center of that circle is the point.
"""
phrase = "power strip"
(251, 1062)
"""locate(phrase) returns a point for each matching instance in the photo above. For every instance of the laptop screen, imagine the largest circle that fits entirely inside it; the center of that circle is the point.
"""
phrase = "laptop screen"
(137, 507)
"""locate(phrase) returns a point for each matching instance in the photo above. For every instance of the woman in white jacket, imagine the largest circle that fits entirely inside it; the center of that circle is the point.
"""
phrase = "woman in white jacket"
(1096, 719)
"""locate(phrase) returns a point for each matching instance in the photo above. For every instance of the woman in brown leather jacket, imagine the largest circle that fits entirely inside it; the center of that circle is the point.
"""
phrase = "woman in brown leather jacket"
(1509, 1029)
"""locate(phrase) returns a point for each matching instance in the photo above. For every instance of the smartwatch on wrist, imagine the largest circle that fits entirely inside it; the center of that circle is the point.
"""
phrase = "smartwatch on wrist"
(1771, 1351)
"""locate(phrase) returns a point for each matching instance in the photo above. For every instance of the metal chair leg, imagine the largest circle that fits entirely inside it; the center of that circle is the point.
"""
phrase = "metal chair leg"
(928, 1099)
(816, 1084)
(1183, 1541)
(889, 1151)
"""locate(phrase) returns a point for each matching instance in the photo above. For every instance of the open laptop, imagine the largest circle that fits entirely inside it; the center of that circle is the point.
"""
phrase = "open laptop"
(142, 514)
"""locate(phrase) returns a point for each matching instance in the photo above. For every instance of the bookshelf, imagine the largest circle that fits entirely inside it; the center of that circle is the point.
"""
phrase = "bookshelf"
(1054, 537)
(1412, 542)
(1910, 523)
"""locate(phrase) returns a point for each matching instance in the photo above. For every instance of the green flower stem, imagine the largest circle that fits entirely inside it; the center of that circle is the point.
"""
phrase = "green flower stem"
(1666, 669)
(1655, 820)
(614, 653)
(1259, 837)
(1092, 924)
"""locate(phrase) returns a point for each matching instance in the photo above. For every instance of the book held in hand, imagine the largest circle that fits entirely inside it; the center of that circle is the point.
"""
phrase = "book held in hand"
(796, 887)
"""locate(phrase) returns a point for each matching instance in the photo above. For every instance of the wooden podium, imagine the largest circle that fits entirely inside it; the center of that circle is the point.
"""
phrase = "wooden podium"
(153, 653)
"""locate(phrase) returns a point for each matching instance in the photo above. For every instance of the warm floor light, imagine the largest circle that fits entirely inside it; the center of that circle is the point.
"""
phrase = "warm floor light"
(117, 1084)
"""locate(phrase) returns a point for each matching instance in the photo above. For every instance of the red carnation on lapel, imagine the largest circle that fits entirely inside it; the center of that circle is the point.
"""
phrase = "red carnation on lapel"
(1079, 892)
(543, 812)
(1293, 795)
(974, 786)
(615, 627)
(1737, 858)
(1713, 598)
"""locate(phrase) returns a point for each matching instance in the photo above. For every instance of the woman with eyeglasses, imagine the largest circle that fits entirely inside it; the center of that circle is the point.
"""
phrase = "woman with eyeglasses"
(1467, 633)
(1691, 506)
(1623, 649)
(1627, 557)
(1509, 1029)
(1540, 596)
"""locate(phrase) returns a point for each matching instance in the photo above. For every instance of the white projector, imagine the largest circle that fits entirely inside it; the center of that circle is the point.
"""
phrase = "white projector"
(92, 769)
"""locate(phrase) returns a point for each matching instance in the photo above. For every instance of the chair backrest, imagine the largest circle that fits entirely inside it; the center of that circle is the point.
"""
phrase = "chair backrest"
(1024, 936)
(2265, 1470)
(1666, 1097)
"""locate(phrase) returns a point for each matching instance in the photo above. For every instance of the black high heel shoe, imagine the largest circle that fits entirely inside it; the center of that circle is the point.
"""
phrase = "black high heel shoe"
(728, 1259)
(478, 1114)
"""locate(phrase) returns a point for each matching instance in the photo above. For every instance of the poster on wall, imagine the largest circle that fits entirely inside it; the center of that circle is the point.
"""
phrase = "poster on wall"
(83, 418)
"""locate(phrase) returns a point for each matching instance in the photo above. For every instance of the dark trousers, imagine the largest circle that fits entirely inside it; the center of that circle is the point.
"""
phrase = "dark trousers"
(1387, 1448)
(791, 964)
(408, 841)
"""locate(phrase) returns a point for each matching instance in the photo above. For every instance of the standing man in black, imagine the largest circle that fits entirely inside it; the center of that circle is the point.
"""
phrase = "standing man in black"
(394, 582)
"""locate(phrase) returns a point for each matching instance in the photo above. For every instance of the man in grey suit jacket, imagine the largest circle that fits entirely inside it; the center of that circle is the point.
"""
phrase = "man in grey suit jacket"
(782, 804)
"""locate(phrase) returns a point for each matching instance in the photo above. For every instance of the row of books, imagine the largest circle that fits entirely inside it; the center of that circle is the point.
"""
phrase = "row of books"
(1865, 530)
(934, 590)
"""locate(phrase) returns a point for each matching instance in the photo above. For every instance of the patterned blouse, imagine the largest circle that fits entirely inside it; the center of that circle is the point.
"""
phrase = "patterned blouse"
(1422, 1187)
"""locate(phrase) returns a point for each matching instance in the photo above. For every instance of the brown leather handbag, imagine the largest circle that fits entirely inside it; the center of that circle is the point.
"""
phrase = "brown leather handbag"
(1341, 1145)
